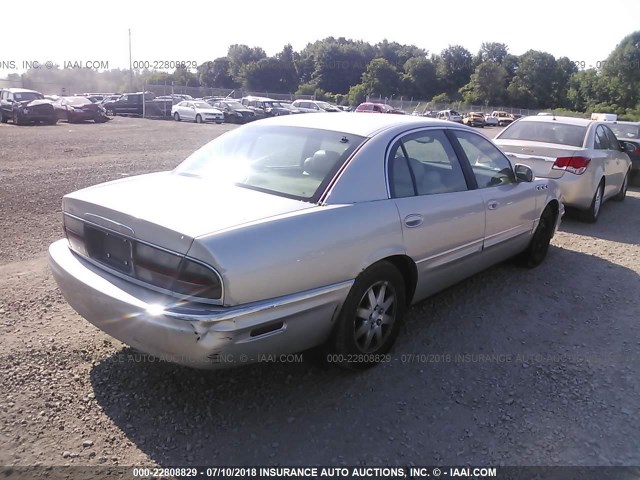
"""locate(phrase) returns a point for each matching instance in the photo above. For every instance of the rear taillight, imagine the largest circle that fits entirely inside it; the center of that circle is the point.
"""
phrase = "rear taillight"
(577, 165)
(74, 231)
(176, 273)
(152, 265)
(636, 151)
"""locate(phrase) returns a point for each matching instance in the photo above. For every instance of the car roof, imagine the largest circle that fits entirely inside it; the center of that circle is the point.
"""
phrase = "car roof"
(583, 122)
(261, 99)
(20, 90)
(355, 123)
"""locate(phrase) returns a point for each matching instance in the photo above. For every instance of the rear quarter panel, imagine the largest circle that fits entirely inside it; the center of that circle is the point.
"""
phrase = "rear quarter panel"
(301, 251)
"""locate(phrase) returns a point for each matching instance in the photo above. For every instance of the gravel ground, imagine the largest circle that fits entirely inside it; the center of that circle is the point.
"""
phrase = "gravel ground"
(511, 367)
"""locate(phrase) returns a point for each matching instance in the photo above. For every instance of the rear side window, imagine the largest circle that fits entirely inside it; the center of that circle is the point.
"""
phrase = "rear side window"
(490, 167)
(601, 142)
(424, 163)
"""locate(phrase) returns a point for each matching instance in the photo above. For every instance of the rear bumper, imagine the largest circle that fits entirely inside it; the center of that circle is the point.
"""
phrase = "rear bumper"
(215, 337)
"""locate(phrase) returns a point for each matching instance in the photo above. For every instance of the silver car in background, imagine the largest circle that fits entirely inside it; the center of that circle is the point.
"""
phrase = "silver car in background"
(197, 111)
(296, 232)
(584, 156)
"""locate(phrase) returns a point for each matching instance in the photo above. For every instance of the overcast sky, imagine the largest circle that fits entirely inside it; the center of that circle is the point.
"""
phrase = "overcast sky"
(80, 31)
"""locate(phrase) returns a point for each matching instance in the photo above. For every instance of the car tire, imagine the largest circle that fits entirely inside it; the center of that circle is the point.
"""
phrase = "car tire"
(176, 117)
(620, 196)
(3, 118)
(52, 121)
(110, 112)
(591, 215)
(198, 118)
(538, 247)
(17, 119)
(365, 332)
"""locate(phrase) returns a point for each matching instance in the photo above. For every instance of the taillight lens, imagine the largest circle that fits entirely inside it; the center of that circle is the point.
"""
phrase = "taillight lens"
(577, 165)
(175, 273)
(196, 280)
(74, 231)
(154, 266)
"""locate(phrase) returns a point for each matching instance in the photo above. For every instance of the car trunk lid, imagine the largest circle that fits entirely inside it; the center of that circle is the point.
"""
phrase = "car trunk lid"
(539, 156)
(170, 210)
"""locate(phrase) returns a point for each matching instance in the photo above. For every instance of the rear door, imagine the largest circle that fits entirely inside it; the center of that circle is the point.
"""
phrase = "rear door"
(443, 220)
(619, 163)
(605, 155)
(510, 204)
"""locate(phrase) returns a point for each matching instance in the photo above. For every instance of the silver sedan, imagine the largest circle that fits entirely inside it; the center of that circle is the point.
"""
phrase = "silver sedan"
(584, 156)
(297, 232)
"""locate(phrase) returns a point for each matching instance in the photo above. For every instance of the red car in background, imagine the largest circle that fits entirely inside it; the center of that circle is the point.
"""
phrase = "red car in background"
(371, 107)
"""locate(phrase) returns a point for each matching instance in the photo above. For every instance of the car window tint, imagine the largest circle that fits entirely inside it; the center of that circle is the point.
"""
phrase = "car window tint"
(490, 167)
(546, 131)
(613, 141)
(291, 161)
(601, 140)
(431, 163)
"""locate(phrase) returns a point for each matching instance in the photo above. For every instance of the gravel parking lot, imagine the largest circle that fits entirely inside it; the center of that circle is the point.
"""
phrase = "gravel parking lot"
(511, 367)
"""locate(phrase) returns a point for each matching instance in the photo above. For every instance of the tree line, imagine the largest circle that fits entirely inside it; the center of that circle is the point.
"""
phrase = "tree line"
(346, 71)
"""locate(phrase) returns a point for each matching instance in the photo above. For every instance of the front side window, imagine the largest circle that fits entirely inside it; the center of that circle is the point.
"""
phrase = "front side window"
(490, 167)
(294, 162)
(424, 163)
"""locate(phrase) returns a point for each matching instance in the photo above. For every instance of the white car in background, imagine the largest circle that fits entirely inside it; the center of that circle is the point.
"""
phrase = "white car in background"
(490, 120)
(450, 115)
(583, 156)
(197, 111)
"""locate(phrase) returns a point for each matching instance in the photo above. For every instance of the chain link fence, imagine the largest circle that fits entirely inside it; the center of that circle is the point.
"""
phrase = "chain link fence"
(421, 107)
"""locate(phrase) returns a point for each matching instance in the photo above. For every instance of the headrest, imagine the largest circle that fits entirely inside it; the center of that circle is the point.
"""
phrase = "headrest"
(321, 162)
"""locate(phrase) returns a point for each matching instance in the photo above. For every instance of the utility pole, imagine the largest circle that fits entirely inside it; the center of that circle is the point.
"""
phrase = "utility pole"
(130, 65)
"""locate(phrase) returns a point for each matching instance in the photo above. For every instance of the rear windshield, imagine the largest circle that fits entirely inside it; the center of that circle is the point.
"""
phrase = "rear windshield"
(78, 101)
(625, 131)
(547, 132)
(294, 162)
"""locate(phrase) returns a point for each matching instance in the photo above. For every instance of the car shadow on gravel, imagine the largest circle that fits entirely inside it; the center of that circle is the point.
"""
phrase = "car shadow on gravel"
(618, 222)
(512, 366)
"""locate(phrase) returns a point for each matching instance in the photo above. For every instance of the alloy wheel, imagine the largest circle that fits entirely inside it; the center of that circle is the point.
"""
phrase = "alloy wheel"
(375, 316)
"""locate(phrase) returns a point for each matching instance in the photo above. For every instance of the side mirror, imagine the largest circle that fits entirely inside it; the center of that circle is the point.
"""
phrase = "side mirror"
(523, 173)
(627, 147)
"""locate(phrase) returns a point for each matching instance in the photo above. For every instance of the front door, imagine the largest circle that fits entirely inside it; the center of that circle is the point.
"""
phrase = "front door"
(510, 205)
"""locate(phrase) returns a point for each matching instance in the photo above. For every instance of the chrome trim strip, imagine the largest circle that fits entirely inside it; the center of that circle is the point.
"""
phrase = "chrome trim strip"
(140, 283)
(249, 309)
(530, 157)
(106, 220)
(460, 248)
(505, 235)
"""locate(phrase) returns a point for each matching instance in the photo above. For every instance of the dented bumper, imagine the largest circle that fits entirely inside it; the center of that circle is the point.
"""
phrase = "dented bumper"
(203, 337)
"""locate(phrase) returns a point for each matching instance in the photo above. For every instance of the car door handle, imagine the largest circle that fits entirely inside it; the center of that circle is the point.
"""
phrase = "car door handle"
(493, 204)
(413, 220)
